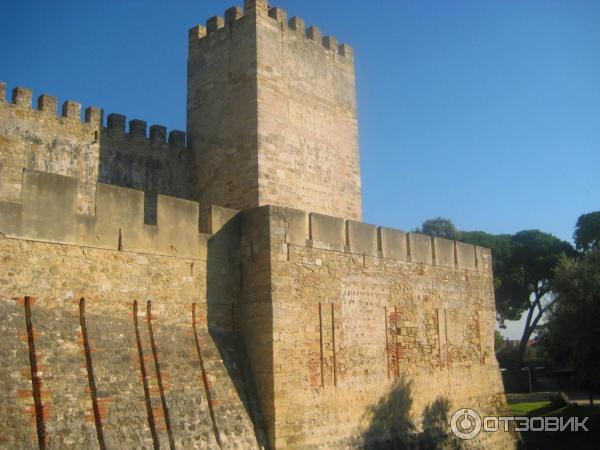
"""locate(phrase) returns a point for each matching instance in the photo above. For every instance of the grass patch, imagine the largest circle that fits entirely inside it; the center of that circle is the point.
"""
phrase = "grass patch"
(524, 408)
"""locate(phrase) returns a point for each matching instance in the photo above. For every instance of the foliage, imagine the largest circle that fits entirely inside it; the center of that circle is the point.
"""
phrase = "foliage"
(571, 335)
(587, 231)
(523, 266)
(502, 246)
(438, 227)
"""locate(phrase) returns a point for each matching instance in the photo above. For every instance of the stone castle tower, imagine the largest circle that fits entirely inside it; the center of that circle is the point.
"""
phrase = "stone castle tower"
(272, 114)
(219, 290)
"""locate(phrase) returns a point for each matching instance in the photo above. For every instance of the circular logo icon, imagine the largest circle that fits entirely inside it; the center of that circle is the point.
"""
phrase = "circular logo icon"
(465, 423)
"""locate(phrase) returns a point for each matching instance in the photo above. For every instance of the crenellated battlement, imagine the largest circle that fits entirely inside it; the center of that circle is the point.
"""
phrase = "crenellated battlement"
(70, 111)
(217, 25)
(53, 137)
(310, 313)
(47, 212)
(350, 236)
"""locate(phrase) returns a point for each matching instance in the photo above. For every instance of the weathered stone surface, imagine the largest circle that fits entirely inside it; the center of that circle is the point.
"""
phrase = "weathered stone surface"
(465, 256)
(57, 276)
(132, 316)
(297, 226)
(419, 247)
(267, 136)
(444, 252)
(327, 231)
(362, 237)
(393, 243)
(363, 341)
(41, 140)
(219, 217)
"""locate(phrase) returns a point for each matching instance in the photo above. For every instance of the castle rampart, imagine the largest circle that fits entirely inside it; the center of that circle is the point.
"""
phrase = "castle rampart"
(317, 295)
(351, 314)
(47, 211)
(218, 289)
(39, 139)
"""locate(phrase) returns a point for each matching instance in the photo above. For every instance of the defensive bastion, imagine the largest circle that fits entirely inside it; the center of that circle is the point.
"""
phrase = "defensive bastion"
(218, 289)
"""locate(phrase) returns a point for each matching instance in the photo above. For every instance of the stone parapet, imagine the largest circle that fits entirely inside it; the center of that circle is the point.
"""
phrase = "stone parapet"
(47, 212)
(350, 236)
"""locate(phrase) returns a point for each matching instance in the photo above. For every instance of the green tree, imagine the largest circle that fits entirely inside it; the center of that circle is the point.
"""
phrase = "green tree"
(523, 266)
(508, 307)
(438, 227)
(531, 272)
(587, 231)
(571, 335)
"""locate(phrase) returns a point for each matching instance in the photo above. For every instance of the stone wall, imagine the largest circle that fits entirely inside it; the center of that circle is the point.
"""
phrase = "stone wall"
(307, 122)
(150, 356)
(272, 114)
(321, 331)
(122, 325)
(188, 370)
(374, 332)
(36, 138)
(221, 110)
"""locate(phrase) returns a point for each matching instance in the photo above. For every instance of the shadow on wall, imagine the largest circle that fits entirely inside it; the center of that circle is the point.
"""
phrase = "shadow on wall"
(390, 425)
(223, 289)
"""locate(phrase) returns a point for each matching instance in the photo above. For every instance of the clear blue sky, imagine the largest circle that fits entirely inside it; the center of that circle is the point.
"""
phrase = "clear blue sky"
(485, 112)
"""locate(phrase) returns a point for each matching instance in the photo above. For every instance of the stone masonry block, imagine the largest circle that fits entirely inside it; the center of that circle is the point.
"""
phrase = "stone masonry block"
(330, 42)
(484, 259)
(219, 217)
(158, 134)
(48, 104)
(22, 97)
(177, 138)
(49, 205)
(297, 226)
(93, 115)
(196, 33)
(176, 214)
(393, 243)
(328, 230)
(116, 123)
(444, 252)
(297, 24)
(280, 15)
(346, 51)
(137, 128)
(314, 33)
(232, 14)
(71, 110)
(118, 207)
(362, 237)
(251, 6)
(214, 23)
(465, 256)
(420, 248)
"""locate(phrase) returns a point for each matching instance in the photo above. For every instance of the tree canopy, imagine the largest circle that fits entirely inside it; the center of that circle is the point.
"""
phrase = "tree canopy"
(524, 267)
(587, 231)
(438, 227)
(571, 335)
